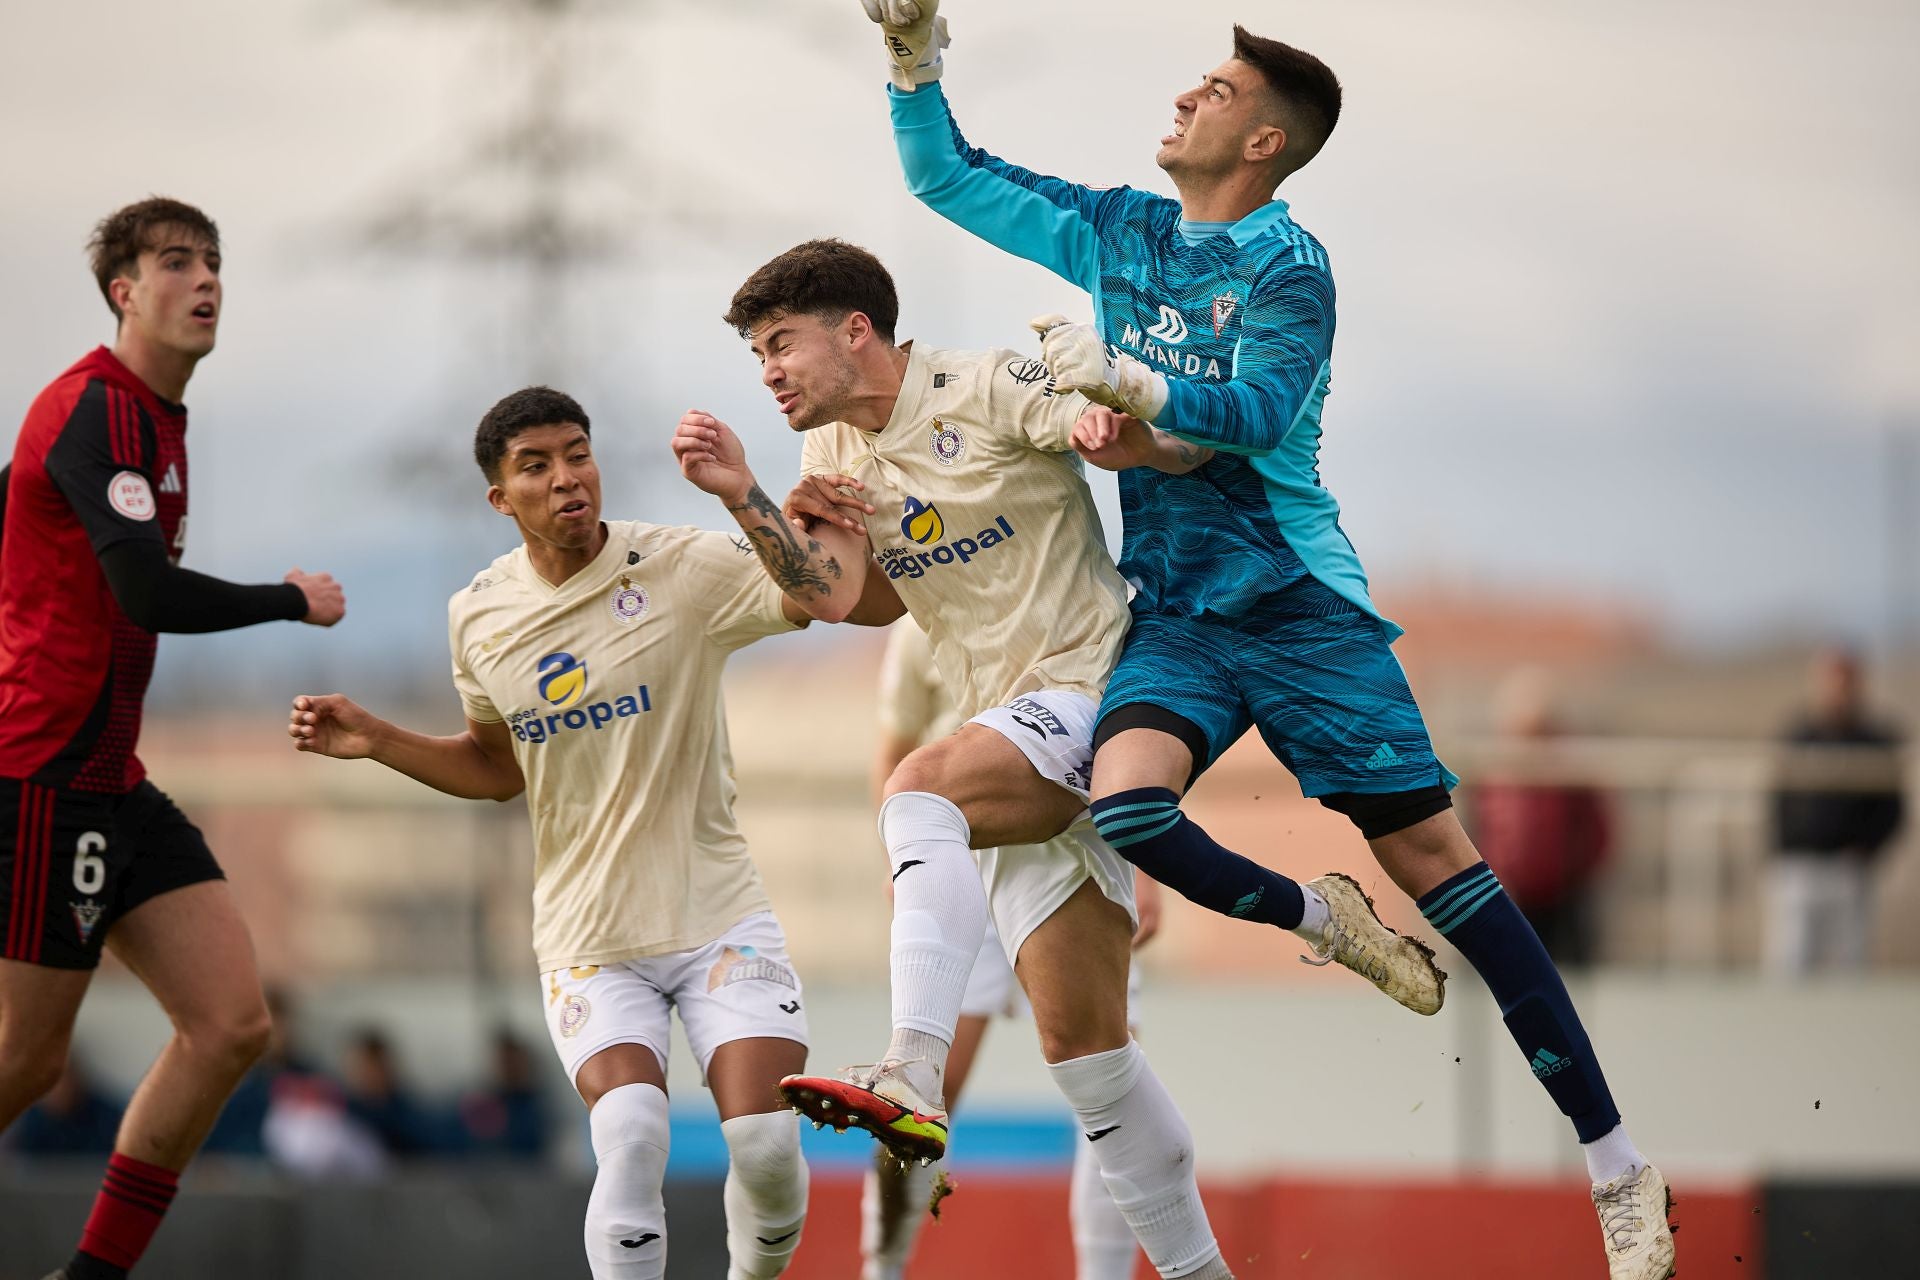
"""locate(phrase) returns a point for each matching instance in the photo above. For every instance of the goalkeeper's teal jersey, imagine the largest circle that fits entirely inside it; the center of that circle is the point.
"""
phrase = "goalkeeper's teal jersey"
(1242, 326)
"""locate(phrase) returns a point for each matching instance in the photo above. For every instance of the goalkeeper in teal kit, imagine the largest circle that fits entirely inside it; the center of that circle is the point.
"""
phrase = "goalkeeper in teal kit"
(1215, 325)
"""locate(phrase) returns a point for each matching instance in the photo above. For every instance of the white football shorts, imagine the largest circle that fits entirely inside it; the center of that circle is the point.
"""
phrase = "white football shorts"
(739, 986)
(1027, 883)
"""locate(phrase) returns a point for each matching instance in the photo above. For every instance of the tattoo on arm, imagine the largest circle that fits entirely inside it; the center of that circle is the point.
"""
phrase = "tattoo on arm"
(1191, 455)
(795, 567)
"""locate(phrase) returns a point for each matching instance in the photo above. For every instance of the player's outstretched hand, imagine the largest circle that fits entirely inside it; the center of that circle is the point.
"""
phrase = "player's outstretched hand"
(1081, 362)
(821, 497)
(326, 602)
(1109, 439)
(712, 457)
(331, 724)
(914, 33)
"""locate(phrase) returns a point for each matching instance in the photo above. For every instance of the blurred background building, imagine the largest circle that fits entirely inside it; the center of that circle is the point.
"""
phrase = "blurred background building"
(1625, 426)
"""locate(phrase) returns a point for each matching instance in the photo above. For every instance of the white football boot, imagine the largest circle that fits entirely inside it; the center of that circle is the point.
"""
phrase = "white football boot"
(1401, 967)
(1633, 1219)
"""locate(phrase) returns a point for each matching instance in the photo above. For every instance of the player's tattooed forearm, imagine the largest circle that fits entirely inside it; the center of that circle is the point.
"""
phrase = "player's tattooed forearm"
(1191, 455)
(794, 568)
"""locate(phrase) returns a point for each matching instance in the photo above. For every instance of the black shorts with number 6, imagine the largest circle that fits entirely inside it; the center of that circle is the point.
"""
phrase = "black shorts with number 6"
(73, 862)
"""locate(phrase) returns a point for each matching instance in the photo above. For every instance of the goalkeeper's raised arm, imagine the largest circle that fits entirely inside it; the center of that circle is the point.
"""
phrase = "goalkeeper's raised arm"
(1043, 219)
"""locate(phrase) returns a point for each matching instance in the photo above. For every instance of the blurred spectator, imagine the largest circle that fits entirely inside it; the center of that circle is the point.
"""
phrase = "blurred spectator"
(504, 1118)
(310, 1132)
(290, 1111)
(1546, 841)
(376, 1097)
(74, 1118)
(1826, 842)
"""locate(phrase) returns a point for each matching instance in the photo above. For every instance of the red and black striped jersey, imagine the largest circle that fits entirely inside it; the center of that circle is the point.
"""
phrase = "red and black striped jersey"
(100, 460)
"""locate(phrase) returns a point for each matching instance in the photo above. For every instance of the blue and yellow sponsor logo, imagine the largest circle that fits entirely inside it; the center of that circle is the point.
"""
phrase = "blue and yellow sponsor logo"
(563, 679)
(922, 522)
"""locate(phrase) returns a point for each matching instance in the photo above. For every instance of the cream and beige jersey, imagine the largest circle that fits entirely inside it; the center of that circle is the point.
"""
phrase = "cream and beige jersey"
(985, 525)
(610, 683)
(914, 703)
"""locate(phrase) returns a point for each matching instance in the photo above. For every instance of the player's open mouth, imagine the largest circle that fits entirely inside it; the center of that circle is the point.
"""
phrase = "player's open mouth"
(1179, 130)
(205, 311)
(786, 400)
(573, 509)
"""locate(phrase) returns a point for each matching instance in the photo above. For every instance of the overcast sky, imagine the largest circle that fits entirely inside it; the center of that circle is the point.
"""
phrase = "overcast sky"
(1629, 295)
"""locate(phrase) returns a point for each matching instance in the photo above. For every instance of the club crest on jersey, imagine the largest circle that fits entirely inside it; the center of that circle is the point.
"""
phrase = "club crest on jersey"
(630, 602)
(949, 446)
(1224, 305)
(573, 1015)
(130, 494)
(922, 522)
(563, 679)
(746, 964)
(86, 916)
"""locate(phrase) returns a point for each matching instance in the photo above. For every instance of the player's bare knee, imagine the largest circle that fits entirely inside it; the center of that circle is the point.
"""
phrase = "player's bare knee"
(1063, 1039)
(32, 1057)
(233, 1039)
(35, 1070)
(924, 770)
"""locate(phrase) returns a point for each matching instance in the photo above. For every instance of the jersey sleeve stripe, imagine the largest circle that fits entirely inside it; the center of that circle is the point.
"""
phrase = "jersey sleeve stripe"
(126, 428)
(112, 398)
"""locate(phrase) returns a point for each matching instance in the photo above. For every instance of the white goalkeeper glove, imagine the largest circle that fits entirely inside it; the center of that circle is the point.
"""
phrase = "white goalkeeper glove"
(914, 34)
(1080, 362)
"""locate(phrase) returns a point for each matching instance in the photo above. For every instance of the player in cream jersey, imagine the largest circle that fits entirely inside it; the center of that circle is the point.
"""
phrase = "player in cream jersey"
(610, 686)
(588, 661)
(975, 482)
(984, 526)
(915, 709)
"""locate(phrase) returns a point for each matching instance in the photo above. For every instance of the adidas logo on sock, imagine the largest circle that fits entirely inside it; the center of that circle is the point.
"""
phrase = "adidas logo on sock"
(1384, 758)
(1248, 903)
(1548, 1063)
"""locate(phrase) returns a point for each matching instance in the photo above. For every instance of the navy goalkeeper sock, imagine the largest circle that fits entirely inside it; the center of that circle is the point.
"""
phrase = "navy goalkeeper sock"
(1474, 913)
(1145, 826)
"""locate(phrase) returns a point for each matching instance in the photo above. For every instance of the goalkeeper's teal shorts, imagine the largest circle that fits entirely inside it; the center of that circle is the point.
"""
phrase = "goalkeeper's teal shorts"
(1313, 673)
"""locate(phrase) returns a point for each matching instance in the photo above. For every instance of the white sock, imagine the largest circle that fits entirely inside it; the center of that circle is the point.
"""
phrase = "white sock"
(1610, 1155)
(766, 1193)
(629, 1127)
(893, 1204)
(1103, 1243)
(939, 917)
(1317, 916)
(1146, 1157)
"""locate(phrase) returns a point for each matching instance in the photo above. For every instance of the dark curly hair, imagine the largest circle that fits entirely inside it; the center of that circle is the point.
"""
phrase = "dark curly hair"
(524, 410)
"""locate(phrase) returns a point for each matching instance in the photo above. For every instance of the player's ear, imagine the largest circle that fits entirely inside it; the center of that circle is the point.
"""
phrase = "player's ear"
(1268, 141)
(120, 289)
(497, 499)
(857, 328)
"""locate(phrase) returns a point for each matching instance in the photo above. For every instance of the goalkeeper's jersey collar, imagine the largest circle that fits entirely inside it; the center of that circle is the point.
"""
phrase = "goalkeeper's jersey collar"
(1259, 222)
(1244, 232)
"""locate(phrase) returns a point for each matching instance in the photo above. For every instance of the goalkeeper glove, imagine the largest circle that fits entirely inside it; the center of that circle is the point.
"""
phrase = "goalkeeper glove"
(914, 34)
(1080, 362)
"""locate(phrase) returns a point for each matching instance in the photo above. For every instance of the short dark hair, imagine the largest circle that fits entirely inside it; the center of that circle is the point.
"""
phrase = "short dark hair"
(830, 279)
(122, 236)
(1304, 85)
(524, 410)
